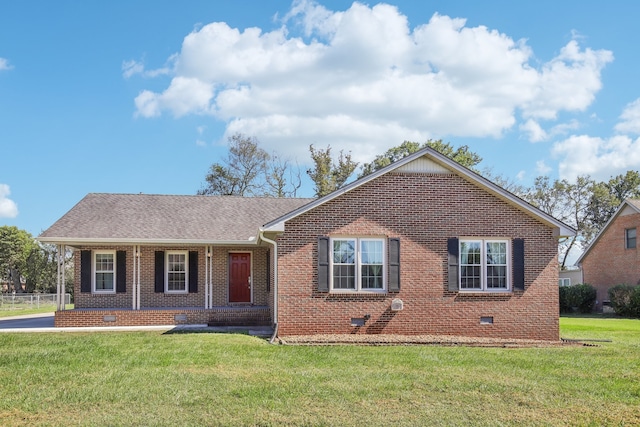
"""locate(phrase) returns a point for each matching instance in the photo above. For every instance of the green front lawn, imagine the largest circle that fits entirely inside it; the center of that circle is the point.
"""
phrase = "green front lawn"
(8, 310)
(150, 378)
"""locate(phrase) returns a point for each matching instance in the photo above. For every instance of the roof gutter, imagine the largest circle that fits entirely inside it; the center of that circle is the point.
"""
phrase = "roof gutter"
(275, 283)
(115, 240)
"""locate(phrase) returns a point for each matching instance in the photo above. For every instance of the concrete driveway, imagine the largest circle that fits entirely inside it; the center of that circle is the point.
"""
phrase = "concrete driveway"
(31, 321)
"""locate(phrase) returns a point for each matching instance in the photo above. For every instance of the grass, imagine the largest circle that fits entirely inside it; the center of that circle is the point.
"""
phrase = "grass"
(148, 378)
(8, 310)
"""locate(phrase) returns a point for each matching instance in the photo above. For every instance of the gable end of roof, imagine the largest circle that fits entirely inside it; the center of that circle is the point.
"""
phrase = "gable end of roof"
(442, 163)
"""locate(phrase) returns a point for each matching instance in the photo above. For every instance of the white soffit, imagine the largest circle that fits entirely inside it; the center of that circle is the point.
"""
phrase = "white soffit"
(423, 165)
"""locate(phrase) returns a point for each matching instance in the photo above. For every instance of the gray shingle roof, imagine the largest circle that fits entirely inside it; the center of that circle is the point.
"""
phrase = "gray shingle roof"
(155, 218)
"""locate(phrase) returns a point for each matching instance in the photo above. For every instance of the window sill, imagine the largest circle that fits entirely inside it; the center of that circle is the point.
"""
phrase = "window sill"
(494, 292)
(360, 292)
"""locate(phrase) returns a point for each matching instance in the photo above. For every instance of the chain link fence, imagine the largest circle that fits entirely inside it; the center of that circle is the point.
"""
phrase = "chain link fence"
(10, 301)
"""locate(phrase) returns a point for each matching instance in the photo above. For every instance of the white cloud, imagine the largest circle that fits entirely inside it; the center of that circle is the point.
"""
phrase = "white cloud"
(4, 64)
(364, 78)
(185, 95)
(598, 157)
(542, 168)
(133, 67)
(568, 82)
(602, 158)
(129, 68)
(534, 131)
(8, 208)
(630, 119)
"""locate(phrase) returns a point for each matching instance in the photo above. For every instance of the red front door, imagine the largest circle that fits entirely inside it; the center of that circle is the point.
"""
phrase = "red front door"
(240, 277)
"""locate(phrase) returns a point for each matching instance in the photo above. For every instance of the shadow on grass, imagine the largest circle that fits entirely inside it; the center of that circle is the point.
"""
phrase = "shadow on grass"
(593, 316)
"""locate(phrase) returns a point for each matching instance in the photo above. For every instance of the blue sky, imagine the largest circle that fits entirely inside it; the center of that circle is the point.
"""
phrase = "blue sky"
(130, 97)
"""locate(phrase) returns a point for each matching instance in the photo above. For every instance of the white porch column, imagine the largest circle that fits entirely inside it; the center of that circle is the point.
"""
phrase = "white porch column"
(135, 303)
(60, 285)
(139, 286)
(134, 288)
(208, 272)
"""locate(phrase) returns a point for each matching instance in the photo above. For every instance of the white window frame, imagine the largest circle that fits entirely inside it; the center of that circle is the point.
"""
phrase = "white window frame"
(186, 272)
(95, 272)
(484, 264)
(564, 281)
(358, 265)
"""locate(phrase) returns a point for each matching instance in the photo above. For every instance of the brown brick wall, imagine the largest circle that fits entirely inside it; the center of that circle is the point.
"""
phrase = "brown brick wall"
(423, 210)
(246, 316)
(609, 263)
(151, 299)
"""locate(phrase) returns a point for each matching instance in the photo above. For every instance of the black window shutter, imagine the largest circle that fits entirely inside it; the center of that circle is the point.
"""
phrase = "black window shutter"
(518, 264)
(323, 264)
(159, 272)
(453, 253)
(121, 271)
(193, 272)
(85, 271)
(394, 265)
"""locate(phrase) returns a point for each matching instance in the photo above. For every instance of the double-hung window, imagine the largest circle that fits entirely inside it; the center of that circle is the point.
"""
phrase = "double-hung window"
(357, 264)
(177, 273)
(484, 265)
(630, 238)
(104, 272)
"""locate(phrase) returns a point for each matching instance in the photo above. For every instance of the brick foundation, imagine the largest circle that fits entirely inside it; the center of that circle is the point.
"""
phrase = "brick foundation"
(222, 316)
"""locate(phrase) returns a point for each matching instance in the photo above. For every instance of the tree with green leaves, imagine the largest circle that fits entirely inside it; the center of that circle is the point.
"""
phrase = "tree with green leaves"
(41, 272)
(462, 155)
(567, 202)
(606, 197)
(281, 179)
(329, 175)
(15, 247)
(241, 172)
(248, 170)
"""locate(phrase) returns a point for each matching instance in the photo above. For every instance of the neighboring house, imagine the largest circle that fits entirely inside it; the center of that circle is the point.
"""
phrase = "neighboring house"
(570, 276)
(423, 246)
(613, 258)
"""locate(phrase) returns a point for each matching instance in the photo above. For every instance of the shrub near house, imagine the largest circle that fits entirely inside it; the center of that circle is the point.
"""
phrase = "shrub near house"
(625, 300)
(581, 298)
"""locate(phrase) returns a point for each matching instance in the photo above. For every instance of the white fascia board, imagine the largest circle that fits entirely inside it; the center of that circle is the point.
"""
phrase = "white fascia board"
(277, 227)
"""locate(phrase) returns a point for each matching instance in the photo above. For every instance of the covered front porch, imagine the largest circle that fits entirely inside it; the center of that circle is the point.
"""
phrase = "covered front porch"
(215, 316)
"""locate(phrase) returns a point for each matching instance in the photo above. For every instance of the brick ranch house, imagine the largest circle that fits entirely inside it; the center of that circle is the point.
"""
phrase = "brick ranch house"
(613, 258)
(423, 246)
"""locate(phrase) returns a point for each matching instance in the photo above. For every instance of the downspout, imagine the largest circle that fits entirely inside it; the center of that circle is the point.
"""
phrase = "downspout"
(275, 285)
